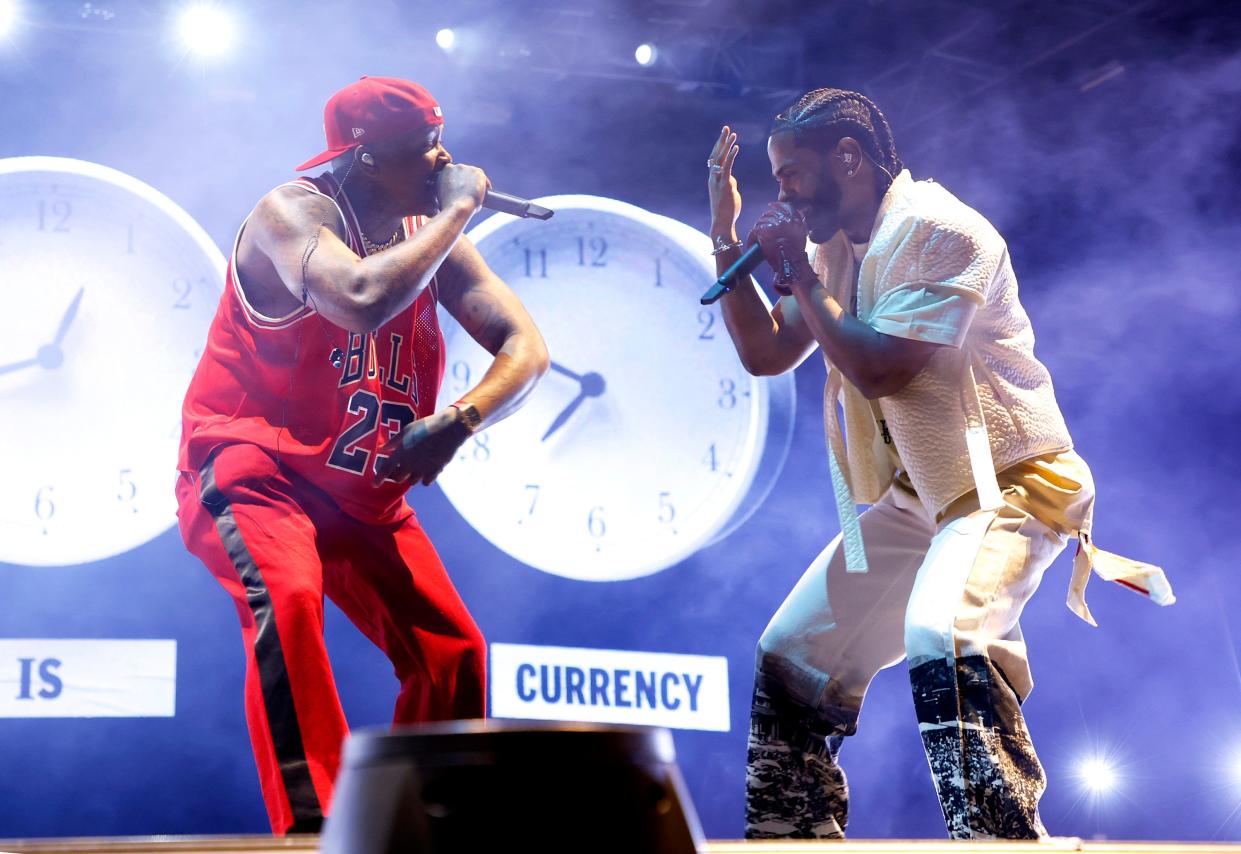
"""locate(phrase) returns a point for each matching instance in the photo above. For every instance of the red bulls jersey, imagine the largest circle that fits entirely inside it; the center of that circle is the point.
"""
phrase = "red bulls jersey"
(271, 382)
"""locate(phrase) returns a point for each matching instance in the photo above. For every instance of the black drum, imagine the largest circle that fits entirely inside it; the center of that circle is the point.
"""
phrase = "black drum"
(474, 786)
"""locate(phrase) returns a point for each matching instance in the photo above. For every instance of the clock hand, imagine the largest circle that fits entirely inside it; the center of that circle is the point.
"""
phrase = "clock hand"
(593, 385)
(561, 369)
(17, 366)
(564, 415)
(70, 313)
(50, 355)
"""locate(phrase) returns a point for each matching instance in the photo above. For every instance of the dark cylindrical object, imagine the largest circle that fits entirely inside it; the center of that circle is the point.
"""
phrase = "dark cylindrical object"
(470, 786)
(742, 267)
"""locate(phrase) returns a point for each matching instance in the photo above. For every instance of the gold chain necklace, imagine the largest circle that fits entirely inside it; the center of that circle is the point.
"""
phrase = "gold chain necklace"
(370, 248)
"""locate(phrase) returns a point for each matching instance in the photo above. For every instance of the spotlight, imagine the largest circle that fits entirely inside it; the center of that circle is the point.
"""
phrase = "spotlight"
(206, 29)
(1235, 768)
(8, 17)
(1097, 775)
(645, 54)
(446, 39)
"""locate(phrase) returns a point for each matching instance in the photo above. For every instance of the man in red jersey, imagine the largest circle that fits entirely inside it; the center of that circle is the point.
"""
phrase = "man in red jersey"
(313, 410)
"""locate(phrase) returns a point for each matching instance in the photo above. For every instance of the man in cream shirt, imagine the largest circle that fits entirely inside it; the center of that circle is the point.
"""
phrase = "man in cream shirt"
(954, 439)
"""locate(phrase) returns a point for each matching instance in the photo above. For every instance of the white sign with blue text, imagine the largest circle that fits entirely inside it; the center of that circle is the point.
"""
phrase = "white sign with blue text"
(609, 686)
(41, 678)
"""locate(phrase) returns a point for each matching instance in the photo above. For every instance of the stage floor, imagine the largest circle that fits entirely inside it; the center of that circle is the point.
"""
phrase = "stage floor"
(267, 844)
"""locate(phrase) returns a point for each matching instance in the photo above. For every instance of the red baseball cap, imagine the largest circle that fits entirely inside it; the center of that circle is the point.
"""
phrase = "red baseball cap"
(372, 110)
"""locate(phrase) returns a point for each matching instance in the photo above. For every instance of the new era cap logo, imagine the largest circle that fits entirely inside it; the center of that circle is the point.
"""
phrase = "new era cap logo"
(357, 132)
(438, 112)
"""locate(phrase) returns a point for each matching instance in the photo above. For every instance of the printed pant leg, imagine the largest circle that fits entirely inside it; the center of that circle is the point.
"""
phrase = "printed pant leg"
(815, 660)
(969, 672)
(248, 523)
(392, 585)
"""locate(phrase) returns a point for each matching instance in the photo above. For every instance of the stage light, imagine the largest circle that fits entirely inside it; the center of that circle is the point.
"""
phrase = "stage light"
(8, 17)
(646, 54)
(1097, 775)
(1234, 768)
(207, 29)
(446, 39)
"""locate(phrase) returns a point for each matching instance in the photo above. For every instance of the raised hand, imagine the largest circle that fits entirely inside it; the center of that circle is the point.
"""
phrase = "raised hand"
(722, 186)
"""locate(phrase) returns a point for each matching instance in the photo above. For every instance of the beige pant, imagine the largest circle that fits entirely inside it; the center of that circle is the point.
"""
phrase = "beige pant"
(947, 596)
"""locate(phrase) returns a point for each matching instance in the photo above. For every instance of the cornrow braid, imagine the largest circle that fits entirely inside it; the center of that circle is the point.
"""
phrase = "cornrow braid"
(821, 117)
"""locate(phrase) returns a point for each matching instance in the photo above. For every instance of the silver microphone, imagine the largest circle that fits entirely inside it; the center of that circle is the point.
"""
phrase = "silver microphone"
(503, 202)
(515, 205)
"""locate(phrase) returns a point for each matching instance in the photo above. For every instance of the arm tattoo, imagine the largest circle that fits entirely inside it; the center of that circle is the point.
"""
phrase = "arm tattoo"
(483, 317)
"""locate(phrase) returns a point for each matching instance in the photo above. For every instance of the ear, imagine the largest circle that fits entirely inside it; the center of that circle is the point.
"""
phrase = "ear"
(848, 158)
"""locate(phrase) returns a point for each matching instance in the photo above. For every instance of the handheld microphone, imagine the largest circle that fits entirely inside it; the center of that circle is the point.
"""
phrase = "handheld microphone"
(742, 267)
(501, 202)
(504, 203)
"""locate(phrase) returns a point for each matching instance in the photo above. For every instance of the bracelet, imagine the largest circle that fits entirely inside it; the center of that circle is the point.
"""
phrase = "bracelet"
(721, 246)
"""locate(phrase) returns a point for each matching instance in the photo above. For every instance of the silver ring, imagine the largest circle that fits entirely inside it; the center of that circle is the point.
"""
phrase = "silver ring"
(715, 167)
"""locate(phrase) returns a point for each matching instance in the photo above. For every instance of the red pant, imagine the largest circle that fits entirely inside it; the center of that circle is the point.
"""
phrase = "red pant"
(277, 544)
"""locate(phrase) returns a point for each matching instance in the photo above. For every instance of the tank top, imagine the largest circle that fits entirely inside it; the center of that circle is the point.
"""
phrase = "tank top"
(271, 382)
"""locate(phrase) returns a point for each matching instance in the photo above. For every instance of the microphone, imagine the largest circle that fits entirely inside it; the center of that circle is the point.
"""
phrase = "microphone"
(501, 202)
(504, 203)
(743, 266)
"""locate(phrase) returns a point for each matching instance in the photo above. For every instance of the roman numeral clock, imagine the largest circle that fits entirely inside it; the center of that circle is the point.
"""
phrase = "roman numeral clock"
(647, 440)
(108, 290)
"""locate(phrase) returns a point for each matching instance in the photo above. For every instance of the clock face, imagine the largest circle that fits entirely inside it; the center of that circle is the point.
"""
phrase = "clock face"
(647, 439)
(108, 290)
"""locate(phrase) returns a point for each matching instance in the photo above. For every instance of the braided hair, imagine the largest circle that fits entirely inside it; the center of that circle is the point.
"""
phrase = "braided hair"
(822, 117)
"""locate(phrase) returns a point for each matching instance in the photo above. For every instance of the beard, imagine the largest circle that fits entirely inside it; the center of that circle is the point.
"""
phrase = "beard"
(822, 212)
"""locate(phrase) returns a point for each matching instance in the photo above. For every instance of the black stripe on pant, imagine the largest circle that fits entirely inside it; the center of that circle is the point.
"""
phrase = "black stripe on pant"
(286, 734)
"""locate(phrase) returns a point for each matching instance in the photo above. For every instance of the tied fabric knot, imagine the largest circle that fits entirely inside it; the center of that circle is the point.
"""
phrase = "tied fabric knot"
(1143, 578)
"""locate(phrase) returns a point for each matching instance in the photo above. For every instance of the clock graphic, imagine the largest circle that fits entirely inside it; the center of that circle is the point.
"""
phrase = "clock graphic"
(647, 439)
(108, 288)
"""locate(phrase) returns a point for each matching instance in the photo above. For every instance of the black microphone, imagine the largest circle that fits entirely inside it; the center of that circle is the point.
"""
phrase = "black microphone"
(504, 203)
(743, 266)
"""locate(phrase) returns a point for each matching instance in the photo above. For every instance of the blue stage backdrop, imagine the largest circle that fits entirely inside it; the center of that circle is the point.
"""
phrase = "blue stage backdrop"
(1101, 143)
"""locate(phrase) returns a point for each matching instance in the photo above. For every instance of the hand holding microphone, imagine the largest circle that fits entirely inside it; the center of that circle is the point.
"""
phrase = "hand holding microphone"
(722, 189)
(780, 235)
(457, 180)
(725, 198)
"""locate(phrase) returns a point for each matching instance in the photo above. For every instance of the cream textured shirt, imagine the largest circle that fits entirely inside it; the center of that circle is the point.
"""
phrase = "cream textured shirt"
(935, 270)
